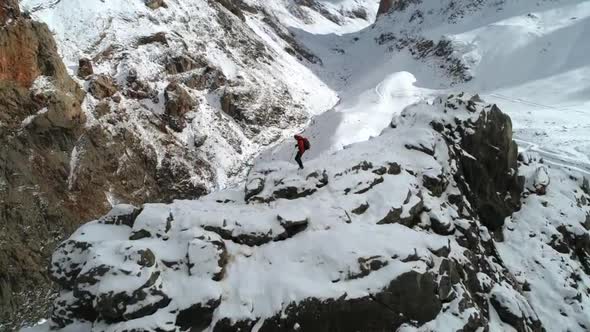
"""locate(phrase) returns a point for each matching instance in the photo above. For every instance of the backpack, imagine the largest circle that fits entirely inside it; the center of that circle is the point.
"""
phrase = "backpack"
(306, 144)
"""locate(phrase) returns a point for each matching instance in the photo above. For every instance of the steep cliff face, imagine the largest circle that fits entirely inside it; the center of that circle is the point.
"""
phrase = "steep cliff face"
(380, 236)
(40, 120)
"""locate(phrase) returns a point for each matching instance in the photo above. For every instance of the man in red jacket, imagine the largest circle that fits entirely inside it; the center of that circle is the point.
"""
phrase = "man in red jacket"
(302, 146)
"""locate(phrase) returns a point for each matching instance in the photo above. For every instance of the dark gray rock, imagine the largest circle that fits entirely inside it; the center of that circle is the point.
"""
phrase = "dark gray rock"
(198, 317)
(488, 176)
(384, 311)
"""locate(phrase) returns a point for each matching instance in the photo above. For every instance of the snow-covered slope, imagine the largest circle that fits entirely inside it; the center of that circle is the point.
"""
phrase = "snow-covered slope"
(530, 57)
(386, 234)
(264, 90)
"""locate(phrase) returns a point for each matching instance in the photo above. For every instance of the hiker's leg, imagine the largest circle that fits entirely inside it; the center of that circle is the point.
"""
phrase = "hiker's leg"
(298, 159)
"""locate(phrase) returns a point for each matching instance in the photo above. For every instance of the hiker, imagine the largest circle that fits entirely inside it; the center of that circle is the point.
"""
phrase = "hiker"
(302, 146)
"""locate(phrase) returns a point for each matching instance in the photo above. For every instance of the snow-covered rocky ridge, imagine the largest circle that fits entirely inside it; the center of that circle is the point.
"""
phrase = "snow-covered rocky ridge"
(166, 100)
(386, 234)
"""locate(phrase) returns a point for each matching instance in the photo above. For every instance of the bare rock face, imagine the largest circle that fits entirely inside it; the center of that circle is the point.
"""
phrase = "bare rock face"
(385, 6)
(85, 68)
(102, 86)
(489, 173)
(178, 101)
(155, 4)
(40, 119)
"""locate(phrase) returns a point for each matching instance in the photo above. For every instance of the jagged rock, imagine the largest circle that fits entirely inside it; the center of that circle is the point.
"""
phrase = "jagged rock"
(385, 310)
(292, 227)
(209, 78)
(122, 214)
(254, 187)
(361, 209)
(158, 37)
(486, 183)
(232, 6)
(102, 86)
(436, 184)
(178, 101)
(155, 4)
(102, 108)
(368, 265)
(514, 311)
(85, 68)
(198, 317)
(181, 64)
(292, 222)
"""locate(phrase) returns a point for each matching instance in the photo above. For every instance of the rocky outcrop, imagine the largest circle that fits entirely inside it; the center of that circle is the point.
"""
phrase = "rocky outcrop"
(488, 161)
(385, 6)
(292, 232)
(85, 68)
(155, 4)
(102, 86)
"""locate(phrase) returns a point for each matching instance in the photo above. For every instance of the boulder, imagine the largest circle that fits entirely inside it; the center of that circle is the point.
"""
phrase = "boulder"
(155, 4)
(85, 68)
(514, 310)
(158, 37)
(198, 316)
(254, 187)
(180, 64)
(208, 78)
(122, 214)
(178, 101)
(102, 86)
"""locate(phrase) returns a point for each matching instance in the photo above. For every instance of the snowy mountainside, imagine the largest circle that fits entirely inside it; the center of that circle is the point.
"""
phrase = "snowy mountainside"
(268, 91)
(529, 57)
(387, 234)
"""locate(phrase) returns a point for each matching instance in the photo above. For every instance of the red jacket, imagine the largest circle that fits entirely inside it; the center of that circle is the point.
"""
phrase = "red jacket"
(300, 143)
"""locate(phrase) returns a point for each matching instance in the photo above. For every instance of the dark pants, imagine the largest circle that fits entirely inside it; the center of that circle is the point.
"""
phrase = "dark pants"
(298, 159)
